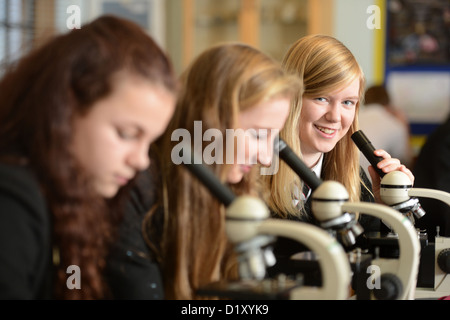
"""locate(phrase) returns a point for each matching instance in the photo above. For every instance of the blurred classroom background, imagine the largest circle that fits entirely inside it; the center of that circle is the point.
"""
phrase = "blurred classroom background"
(404, 44)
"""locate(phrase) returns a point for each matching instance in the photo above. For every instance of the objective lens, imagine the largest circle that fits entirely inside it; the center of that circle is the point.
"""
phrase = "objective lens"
(418, 211)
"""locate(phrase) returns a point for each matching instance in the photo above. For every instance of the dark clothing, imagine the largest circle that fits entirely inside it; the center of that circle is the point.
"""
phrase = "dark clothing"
(26, 269)
(25, 236)
(132, 271)
(432, 171)
(284, 247)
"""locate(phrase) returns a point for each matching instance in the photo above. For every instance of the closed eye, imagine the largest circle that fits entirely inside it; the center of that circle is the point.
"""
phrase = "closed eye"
(128, 134)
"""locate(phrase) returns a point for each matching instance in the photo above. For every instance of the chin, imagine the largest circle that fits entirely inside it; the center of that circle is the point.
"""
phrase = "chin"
(234, 178)
(326, 148)
(108, 192)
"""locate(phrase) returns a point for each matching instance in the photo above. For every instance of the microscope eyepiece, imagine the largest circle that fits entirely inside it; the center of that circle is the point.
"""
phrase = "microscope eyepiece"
(394, 185)
(365, 146)
(296, 164)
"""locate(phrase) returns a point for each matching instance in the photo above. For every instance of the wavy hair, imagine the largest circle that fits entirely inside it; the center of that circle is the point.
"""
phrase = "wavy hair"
(325, 65)
(39, 98)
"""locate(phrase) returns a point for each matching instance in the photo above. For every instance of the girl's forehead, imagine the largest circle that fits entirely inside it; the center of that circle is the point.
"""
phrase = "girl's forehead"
(351, 85)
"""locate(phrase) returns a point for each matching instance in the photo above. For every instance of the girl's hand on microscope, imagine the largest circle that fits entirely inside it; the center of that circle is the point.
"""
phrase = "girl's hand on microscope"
(387, 165)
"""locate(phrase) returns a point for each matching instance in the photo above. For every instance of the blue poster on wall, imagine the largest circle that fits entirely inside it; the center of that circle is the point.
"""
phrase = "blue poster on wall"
(417, 69)
(418, 33)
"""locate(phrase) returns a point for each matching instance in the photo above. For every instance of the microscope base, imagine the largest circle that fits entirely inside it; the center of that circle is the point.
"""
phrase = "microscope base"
(426, 293)
(441, 279)
(306, 263)
(432, 283)
(388, 248)
(443, 290)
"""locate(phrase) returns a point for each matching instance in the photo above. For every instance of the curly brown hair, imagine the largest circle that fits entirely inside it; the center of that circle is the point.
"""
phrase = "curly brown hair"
(39, 97)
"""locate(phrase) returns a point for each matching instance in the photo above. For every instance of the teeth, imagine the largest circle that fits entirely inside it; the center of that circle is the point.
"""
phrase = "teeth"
(325, 130)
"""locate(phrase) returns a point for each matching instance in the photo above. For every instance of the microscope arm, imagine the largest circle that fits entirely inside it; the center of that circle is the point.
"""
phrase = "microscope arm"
(336, 273)
(430, 193)
(408, 262)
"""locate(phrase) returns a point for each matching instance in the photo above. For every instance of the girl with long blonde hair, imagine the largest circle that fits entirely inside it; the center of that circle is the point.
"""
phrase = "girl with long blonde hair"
(319, 127)
(227, 87)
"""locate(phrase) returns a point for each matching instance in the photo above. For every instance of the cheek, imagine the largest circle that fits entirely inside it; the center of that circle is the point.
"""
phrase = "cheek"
(97, 162)
(102, 153)
(347, 119)
(309, 114)
(238, 148)
(304, 125)
(91, 144)
(252, 150)
(160, 123)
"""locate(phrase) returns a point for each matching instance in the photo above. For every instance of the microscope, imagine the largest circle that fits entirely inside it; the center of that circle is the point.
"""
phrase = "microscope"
(249, 227)
(330, 206)
(248, 218)
(342, 225)
(397, 192)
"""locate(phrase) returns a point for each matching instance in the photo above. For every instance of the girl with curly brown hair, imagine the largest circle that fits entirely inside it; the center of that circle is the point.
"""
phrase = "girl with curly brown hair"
(77, 117)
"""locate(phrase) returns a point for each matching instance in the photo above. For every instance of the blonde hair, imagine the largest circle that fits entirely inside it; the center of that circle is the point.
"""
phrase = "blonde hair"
(325, 65)
(220, 83)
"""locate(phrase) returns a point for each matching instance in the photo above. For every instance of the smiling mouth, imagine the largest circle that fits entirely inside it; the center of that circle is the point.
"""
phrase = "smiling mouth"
(326, 130)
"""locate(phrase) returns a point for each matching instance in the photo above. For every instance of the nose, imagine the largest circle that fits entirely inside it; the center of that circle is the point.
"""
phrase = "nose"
(334, 112)
(265, 152)
(138, 157)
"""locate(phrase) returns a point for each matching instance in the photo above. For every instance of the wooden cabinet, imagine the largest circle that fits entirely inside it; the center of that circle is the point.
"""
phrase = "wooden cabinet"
(270, 25)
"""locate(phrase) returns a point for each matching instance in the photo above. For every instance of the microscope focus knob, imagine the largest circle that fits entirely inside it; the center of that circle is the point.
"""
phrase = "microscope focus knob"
(390, 287)
(443, 260)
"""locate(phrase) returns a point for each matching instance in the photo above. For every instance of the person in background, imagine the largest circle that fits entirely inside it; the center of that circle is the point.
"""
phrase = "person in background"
(385, 126)
(432, 171)
(227, 87)
(319, 128)
(77, 117)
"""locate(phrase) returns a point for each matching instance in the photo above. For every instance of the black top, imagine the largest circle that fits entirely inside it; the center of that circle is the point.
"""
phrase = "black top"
(25, 236)
(285, 247)
(132, 271)
(432, 171)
